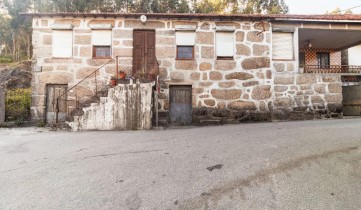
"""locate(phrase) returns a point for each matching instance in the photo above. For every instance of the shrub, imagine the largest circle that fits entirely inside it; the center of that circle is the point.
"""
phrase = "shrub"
(17, 104)
(6, 59)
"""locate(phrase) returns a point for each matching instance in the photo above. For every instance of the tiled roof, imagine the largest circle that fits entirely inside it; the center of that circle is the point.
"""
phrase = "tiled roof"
(328, 17)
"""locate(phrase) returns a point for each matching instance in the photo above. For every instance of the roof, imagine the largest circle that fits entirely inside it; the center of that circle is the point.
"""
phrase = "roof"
(280, 17)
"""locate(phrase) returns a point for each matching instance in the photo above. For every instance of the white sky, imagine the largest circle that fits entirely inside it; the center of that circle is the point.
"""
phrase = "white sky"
(321, 6)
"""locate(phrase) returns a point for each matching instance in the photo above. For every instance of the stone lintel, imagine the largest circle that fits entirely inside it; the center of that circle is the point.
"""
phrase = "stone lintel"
(225, 28)
(62, 26)
(101, 26)
(285, 30)
(185, 27)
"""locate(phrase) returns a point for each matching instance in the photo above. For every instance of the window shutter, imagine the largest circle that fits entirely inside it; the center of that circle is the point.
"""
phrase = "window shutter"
(282, 45)
(102, 37)
(185, 38)
(225, 44)
(62, 44)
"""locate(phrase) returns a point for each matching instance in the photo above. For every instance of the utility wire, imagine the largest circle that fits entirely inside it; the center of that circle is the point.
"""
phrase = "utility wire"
(351, 8)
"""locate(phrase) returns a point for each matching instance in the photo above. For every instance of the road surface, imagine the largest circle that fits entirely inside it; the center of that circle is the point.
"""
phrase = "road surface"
(285, 165)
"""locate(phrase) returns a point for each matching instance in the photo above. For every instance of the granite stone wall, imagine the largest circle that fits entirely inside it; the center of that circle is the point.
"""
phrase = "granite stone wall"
(251, 84)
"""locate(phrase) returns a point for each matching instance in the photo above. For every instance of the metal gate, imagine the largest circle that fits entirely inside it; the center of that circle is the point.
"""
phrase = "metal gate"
(180, 104)
(53, 92)
(351, 100)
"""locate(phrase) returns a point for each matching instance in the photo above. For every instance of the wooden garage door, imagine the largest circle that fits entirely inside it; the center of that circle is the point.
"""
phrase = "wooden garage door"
(143, 51)
(180, 104)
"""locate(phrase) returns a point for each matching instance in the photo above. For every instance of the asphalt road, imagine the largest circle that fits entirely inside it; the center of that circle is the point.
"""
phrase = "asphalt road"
(288, 165)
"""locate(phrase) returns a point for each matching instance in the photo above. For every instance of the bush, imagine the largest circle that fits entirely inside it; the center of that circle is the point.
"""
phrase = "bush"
(17, 104)
(6, 59)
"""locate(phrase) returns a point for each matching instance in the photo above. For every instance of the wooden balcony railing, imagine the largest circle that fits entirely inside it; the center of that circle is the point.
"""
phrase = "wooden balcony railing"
(332, 69)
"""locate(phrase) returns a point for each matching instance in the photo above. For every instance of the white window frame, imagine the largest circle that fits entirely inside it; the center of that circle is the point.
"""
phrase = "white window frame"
(59, 48)
(185, 39)
(99, 41)
(225, 50)
(283, 46)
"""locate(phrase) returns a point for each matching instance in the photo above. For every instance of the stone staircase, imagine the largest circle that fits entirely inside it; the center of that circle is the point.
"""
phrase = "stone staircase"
(126, 107)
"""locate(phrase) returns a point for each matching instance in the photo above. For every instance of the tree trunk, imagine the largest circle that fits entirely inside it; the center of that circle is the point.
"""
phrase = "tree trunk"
(28, 51)
(14, 48)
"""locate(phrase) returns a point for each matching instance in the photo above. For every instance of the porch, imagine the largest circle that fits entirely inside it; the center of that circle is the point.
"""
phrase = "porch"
(330, 51)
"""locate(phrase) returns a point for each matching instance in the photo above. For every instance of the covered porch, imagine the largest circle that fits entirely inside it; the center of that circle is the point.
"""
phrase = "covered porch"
(329, 51)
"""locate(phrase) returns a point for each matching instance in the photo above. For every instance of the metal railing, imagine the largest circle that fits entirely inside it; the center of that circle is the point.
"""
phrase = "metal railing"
(332, 69)
(86, 91)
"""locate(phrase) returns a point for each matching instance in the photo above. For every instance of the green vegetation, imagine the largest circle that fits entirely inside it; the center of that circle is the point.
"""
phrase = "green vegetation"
(17, 105)
(41, 124)
(6, 59)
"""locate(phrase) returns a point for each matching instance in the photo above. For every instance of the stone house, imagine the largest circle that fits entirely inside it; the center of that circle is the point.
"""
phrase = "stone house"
(211, 67)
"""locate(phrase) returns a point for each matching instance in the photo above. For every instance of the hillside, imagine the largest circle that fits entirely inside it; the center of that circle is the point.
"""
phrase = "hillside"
(16, 75)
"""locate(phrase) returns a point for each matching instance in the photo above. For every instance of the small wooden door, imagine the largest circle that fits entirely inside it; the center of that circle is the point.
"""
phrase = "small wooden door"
(53, 92)
(180, 104)
(144, 51)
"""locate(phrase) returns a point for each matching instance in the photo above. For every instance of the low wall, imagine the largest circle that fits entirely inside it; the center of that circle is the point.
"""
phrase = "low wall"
(2, 104)
(292, 96)
(307, 96)
(127, 107)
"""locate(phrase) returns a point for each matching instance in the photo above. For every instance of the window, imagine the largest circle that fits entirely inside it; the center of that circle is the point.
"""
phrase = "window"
(102, 41)
(185, 44)
(323, 60)
(62, 44)
(225, 45)
(282, 46)
(185, 52)
(101, 51)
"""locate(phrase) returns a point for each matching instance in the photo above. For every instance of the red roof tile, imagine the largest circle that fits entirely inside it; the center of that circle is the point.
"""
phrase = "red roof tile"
(329, 17)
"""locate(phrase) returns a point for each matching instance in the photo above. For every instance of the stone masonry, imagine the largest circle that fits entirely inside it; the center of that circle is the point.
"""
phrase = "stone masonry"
(251, 84)
(127, 107)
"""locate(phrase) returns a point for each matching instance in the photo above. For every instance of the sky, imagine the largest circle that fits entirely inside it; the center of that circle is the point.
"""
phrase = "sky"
(321, 6)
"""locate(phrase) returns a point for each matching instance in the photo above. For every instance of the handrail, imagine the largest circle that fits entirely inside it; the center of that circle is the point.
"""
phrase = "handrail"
(85, 78)
(332, 69)
(84, 98)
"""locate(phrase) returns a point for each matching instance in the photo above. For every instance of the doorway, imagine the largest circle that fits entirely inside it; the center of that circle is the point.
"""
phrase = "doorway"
(180, 98)
(144, 61)
(52, 93)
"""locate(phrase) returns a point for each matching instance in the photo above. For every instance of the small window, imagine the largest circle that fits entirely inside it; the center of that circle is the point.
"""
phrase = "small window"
(62, 44)
(225, 45)
(282, 46)
(185, 44)
(185, 52)
(102, 40)
(101, 52)
(323, 60)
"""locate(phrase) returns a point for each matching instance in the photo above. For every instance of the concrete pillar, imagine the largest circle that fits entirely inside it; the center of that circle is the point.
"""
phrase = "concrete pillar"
(2, 104)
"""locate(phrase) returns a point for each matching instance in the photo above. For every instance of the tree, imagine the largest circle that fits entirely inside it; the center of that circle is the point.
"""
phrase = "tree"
(183, 7)
(20, 28)
(264, 6)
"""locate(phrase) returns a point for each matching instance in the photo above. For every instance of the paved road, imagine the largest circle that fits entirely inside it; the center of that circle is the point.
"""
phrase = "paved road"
(288, 165)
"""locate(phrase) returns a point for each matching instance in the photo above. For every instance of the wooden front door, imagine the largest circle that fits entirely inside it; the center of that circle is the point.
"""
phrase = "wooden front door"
(180, 104)
(53, 92)
(144, 61)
